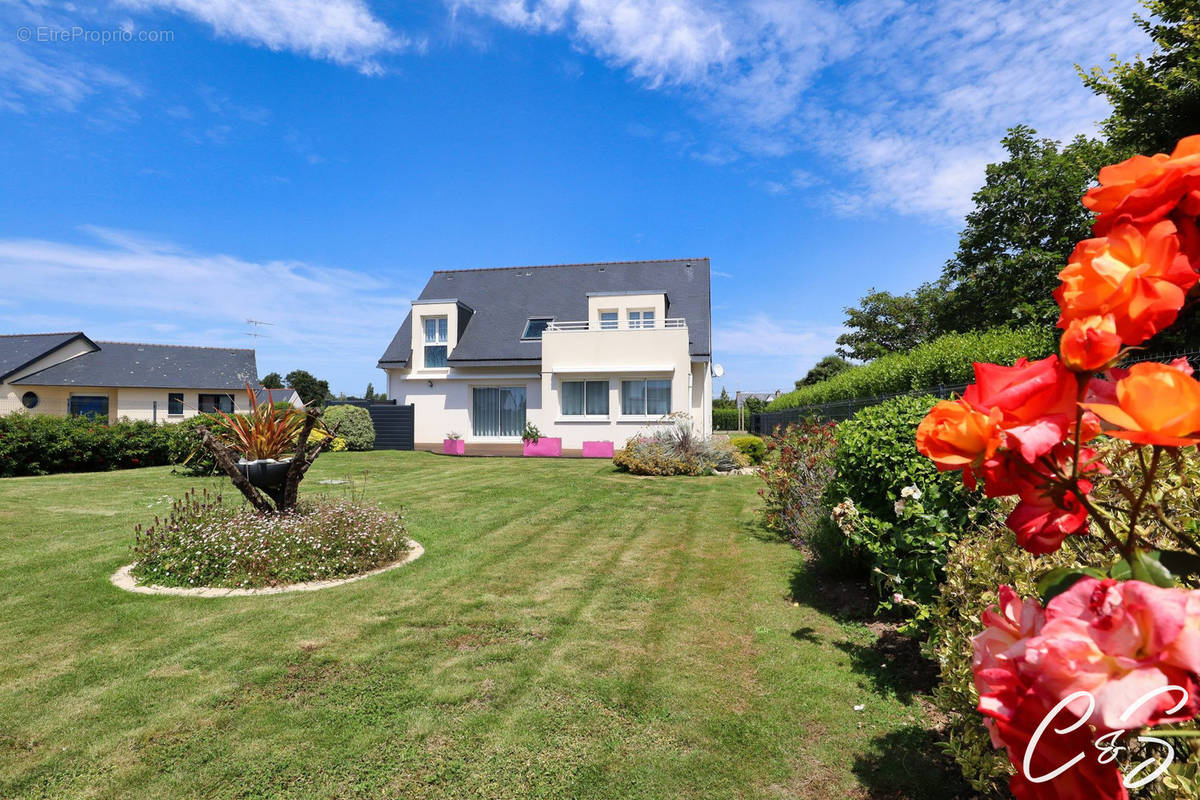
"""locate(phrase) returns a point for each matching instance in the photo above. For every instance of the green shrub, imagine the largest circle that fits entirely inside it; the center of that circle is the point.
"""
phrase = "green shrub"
(897, 514)
(975, 566)
(947, 360)
(40, 444)
(207, 542)
(187, 451)
(799, 468)
(752, 447)
(989, 557)
(724, 419)
(355, 426)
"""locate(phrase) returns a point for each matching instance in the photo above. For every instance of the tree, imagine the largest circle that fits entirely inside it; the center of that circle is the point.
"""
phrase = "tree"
(272, 381)
(824, 369)
(754, 405)
(1026, 221)
(1156, 100)
(369, 394)
(308, 387)
(885, 323)
(724, 401)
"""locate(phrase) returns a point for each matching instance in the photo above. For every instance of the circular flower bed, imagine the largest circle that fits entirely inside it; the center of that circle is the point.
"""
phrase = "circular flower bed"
(207, 542)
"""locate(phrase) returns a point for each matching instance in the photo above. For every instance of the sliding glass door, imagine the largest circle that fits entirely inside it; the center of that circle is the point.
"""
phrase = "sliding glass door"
(498, 411)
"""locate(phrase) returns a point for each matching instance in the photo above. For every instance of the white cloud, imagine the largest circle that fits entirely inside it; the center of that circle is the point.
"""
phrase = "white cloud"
(342, 31)
(51, 77)
(904, 100)
(126, 286)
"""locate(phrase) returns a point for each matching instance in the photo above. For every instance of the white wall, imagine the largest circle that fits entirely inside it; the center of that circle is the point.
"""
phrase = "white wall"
(135, 404)
(445, 406)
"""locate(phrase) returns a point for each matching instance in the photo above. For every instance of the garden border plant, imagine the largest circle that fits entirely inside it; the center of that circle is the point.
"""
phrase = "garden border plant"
(207, 544)
(1102, 656)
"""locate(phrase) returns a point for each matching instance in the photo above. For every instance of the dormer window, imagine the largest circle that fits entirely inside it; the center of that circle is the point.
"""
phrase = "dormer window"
(641, 319)
(535, 327)
(436, 340)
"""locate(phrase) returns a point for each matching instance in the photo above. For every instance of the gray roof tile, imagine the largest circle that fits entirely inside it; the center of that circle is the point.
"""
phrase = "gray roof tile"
(504, 299)
(158, 366)
(21, 349)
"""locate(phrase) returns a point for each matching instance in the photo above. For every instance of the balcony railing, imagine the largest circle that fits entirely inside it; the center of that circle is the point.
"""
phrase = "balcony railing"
(616, 325)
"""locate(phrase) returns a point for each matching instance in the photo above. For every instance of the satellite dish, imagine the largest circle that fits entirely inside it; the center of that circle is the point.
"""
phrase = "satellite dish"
(718, 370)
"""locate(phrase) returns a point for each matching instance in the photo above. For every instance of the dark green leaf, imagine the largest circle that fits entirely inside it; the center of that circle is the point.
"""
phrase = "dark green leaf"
(1057, 581)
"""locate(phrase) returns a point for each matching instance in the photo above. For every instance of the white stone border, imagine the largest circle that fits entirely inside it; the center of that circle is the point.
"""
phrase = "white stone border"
(123, 579)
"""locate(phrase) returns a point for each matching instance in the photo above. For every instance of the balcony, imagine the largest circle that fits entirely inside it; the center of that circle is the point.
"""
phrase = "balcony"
(582, 326)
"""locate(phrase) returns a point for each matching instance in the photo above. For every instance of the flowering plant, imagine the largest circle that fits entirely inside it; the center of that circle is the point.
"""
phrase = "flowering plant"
(267, 432)
(1101, 652)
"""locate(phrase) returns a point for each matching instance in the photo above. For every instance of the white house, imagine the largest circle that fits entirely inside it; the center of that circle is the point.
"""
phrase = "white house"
(68, 373)
(585, 352)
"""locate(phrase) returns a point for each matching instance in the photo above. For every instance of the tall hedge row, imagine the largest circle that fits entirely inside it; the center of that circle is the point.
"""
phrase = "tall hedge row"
(726, 419)
(947, 360)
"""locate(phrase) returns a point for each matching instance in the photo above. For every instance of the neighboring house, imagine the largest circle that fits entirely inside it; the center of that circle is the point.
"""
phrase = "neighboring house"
(586, 352)
(68, 373)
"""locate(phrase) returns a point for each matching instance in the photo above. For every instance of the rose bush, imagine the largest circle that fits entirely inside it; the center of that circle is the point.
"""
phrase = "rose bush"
(1024, 431)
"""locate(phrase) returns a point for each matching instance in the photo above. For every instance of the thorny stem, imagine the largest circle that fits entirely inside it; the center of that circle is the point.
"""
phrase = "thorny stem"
(1136, 510)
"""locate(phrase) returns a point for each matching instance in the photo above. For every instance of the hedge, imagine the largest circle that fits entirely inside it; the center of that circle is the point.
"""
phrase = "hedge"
(947, 360)
(726, 419)
(354, 425)
(39, 444)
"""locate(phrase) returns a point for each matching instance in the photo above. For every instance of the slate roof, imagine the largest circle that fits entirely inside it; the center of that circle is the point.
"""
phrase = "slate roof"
(159, 366)
(20, 350)
(503, 299)
(262, 395)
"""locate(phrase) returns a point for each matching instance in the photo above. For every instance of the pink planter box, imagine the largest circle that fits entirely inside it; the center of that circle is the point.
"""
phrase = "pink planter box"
(454, 447)
(597, 449)
(546, 446)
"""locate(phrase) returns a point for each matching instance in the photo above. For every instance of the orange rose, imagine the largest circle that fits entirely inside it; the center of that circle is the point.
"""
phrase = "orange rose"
(1156, 404)
(1139, 277)
(1146, 189)
(1089, 343)
(954, 435)
(1143, 188)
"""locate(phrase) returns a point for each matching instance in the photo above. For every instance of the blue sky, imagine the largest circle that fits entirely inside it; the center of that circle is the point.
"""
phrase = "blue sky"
(309, 162)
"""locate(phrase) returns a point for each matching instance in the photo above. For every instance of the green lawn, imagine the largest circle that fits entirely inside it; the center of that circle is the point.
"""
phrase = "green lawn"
(570, 632)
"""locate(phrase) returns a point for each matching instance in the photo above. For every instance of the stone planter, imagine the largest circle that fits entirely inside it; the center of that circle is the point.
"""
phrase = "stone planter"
(454, 447)
(597, 449)
(544, 447)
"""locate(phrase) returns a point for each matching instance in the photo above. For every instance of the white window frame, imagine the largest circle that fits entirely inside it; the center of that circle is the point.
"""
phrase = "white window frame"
(525, 331)
(637, 318)
(585, 416)
(645, 397)
(609, 324)
(440, 338)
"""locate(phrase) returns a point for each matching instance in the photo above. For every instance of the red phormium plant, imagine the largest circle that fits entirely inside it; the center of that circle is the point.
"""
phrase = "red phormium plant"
(267, 432)
(1102, 652)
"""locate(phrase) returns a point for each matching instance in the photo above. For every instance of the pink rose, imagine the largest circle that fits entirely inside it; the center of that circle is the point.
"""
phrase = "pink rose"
(1120, 641)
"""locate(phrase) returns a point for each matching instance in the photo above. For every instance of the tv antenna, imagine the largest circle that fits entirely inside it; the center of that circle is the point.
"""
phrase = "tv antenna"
(256, 333)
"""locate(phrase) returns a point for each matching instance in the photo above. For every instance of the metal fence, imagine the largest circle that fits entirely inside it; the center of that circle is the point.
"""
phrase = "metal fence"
(839, 410)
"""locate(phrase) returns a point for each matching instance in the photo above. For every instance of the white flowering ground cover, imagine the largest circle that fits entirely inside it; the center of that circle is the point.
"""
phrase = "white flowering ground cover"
(210, 540)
